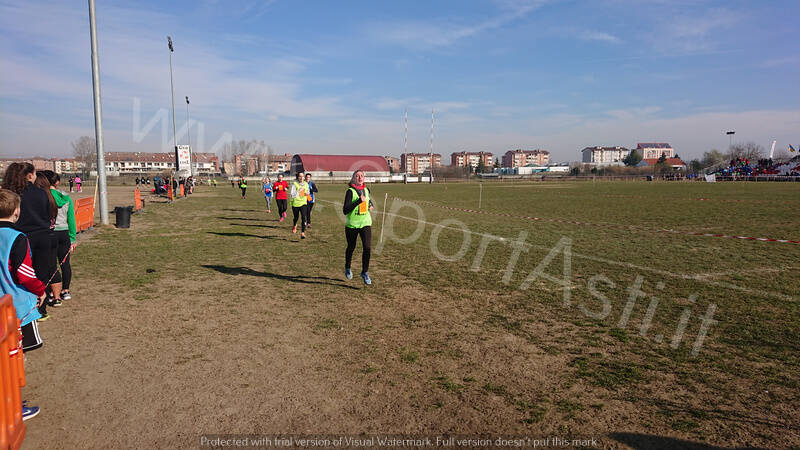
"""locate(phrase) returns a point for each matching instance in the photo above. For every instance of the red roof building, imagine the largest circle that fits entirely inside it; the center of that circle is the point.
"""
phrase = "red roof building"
(675, 163)
(340, 165)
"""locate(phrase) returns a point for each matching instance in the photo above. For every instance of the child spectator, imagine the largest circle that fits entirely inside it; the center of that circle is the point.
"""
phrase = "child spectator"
(19, 280)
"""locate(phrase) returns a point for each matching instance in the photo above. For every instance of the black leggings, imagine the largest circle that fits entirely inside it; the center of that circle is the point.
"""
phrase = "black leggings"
(244, 191)
(62, 250)
(309, 207)
(352, 235)
(281, 206)
(300, 212)
(43, 251)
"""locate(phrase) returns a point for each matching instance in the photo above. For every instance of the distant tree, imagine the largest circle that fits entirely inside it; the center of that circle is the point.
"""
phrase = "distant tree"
(695, 166)
(481, 168)
(84, 149)
(575, 171)
(750, 151)
(497, 163)
(712, 158)
(663, 158)
(781, 156)
(632, 159)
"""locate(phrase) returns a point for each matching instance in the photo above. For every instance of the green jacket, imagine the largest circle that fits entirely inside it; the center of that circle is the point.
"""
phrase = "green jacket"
(62, 199)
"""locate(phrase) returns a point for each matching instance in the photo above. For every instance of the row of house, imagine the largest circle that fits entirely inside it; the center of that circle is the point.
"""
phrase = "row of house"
(122, 163)
(651, 152)
(417, 163)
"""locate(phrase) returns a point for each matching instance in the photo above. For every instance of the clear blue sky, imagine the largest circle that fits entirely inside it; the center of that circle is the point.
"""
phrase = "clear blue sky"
(335, 77)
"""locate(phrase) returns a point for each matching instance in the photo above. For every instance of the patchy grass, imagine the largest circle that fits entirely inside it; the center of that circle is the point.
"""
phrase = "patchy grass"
(218, 262)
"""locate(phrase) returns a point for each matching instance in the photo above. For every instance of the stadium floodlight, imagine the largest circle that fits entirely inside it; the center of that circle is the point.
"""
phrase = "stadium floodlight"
(188, 134)
(172, 92)
(730, 134)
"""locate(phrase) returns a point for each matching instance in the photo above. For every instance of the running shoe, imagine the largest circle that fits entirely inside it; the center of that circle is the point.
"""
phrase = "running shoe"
(294, 229)
(348, 274)
(56, 302)
(29, 412)
(308, 225)
(302, 235)
(44, 317)
(281, 219)
(365, 277)
(65, 295)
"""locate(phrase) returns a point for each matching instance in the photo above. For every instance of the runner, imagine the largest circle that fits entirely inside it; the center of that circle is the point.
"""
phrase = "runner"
(281, 187)
(243, 187)
(356, 207)
(299, 204)
(266, 187)
(312, 189)
(78, 182)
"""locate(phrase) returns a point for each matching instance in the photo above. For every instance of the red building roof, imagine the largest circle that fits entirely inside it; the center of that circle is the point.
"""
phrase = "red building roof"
(339, 163)
(668, 161)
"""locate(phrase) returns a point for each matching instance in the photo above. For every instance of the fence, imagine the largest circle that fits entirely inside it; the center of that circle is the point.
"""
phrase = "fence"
(84, 213)
(12, 376)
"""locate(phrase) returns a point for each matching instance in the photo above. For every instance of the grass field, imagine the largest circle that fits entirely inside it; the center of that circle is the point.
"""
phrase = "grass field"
(208, 316)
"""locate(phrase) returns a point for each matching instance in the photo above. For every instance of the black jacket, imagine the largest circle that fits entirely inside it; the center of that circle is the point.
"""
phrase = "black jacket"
(34, 215)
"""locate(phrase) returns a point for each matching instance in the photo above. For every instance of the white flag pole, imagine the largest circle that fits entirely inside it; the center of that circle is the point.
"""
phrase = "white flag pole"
(772, 150)
(383, 220)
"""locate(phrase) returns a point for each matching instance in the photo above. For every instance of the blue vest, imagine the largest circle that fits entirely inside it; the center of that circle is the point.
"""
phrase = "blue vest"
(24, 301)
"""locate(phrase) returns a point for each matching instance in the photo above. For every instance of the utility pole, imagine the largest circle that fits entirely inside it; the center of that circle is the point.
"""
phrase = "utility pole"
(98, 119)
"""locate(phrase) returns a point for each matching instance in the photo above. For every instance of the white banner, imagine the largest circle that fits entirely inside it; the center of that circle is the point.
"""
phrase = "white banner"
(384, 179)
(369, 179)
(184, 156)
(397, 178)
(711, 178)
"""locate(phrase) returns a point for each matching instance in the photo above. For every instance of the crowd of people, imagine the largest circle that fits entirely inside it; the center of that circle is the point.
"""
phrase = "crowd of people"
(37, 238)
(745, 168)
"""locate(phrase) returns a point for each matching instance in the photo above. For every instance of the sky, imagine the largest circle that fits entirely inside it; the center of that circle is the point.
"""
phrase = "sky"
(336, 77)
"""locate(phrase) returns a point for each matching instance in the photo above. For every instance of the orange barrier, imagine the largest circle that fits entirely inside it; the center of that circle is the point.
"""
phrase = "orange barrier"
(84, 213)
(183, 193)
(137, 199)
(12, 376)
(169, 193)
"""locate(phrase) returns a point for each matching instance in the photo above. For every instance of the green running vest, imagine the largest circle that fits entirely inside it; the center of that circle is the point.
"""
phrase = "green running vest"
(300, 200)
(357, 219)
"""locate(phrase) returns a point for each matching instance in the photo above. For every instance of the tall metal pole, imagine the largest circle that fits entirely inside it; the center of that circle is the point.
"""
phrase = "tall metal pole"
(431, 153)
(189, 139)
(188, 134)
(172, 91)
(98, 119)
(405, 136)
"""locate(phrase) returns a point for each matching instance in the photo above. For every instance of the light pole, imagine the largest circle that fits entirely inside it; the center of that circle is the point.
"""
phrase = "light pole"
(172, 92)
(98, 119)
(188, 135)
(730, 141)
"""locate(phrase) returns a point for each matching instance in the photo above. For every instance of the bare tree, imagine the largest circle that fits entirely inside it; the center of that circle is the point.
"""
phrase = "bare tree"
(781, 156)
(85, 151)
(750, 151)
